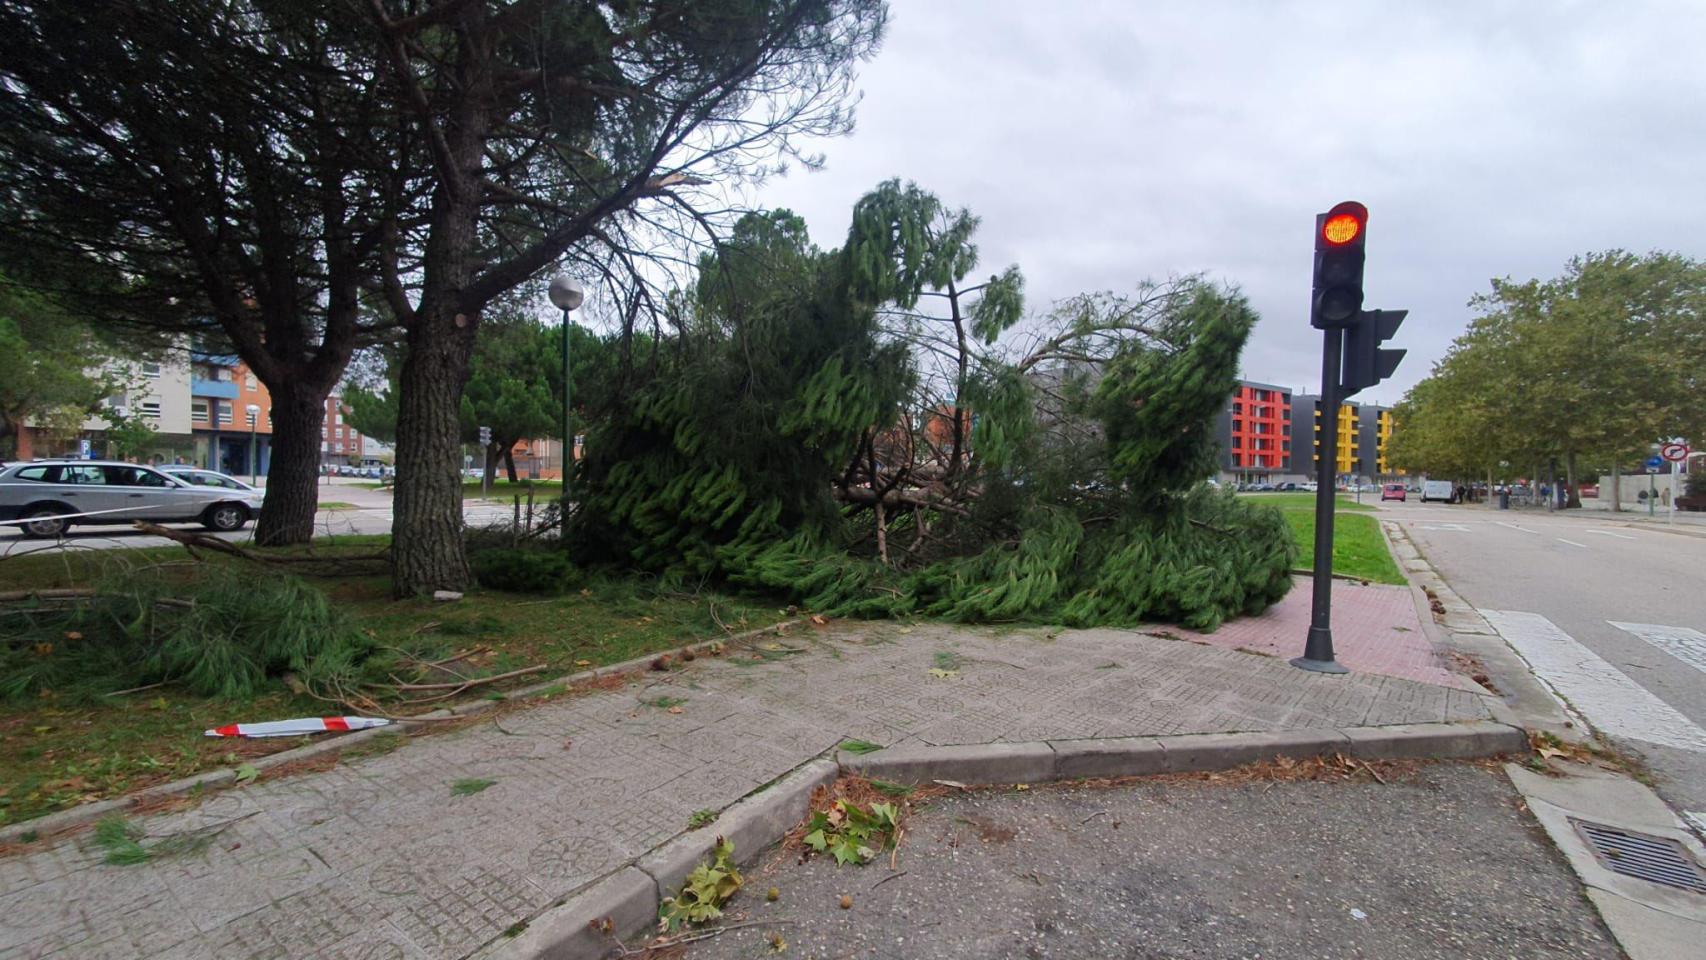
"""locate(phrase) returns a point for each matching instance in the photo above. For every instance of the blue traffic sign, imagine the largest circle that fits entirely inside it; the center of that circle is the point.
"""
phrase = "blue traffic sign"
(1655, 462)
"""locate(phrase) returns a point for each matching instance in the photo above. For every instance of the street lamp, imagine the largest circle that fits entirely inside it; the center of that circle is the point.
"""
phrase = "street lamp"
(566, 295)
(254, 412)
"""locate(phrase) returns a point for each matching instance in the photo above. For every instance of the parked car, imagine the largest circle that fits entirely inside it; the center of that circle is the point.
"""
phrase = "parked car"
(1287, 487)
(208, 478)
(1309, 486)
(46, 497)
(1589, 491)
(1438, 490)
(1393, 491)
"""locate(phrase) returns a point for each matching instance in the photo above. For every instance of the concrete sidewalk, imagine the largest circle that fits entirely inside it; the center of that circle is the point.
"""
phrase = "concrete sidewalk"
(382, 857)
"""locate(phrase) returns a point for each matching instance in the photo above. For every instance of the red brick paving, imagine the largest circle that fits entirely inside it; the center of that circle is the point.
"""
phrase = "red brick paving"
(1375, 630)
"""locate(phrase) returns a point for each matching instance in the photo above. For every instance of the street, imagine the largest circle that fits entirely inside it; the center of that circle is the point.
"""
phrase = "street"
(1607, 610)
(1435, 862)
(363, 510)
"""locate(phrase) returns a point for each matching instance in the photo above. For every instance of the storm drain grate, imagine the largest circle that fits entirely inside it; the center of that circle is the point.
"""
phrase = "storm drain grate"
(1642, 855)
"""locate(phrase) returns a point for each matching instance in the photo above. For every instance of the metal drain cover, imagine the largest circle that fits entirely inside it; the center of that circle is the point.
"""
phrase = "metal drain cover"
(1642, 855)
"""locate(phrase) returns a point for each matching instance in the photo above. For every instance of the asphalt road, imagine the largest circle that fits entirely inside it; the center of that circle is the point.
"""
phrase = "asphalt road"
(1437, 864)
(1609, 611)
(369, 512)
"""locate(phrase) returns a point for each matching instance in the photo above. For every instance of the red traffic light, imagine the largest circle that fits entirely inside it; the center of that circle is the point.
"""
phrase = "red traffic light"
(1343, 224)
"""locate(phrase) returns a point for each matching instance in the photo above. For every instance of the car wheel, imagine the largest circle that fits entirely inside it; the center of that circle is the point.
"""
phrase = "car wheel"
(225, 517)
(44, 522)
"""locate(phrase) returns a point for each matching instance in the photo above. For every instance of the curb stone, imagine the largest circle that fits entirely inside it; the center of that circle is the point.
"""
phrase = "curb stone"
(69, 819)
(629, 897)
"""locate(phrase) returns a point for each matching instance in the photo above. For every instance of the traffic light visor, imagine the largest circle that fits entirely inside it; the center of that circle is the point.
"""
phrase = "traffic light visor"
(1341, 228)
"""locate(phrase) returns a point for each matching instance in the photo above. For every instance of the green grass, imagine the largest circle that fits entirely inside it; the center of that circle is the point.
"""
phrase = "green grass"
(1306, 501)
(336, 505)
(1359, 549)
(860, 746)
(504, 490)
(470, 786)
(57, 751)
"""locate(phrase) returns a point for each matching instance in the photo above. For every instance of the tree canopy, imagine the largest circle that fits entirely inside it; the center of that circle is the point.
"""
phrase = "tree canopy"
(1598, 363)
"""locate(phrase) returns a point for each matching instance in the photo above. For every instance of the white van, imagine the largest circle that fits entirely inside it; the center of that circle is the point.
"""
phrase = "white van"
(1440, 490)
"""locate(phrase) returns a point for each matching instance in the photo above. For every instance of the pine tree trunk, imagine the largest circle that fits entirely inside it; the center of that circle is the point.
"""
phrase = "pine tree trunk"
(489, 463)
(1616, 487)
(1574, 496)
(509, 462)
(426, 545)
(293, 475)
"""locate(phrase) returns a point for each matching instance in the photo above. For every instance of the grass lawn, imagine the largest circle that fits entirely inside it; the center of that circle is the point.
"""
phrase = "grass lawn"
(335, 505)
(1359, 549)
(504, 490)
(58, 752)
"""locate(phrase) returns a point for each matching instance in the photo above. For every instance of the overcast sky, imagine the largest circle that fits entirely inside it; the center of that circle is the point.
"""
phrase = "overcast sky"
(1102, 143)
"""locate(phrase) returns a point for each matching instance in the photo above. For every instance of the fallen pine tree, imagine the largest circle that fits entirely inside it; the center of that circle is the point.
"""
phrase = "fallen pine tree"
(810, 430)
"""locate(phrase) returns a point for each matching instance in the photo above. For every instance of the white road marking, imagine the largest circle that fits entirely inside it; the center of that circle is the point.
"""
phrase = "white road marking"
(1443, 526)
(1683, 643)
(1612, 533)
(1697, 821)
(1513, 526)
(1610, 700)
(1572, 543)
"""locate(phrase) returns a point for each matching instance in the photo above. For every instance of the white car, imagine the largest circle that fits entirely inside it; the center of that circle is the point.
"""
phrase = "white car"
(46, 497)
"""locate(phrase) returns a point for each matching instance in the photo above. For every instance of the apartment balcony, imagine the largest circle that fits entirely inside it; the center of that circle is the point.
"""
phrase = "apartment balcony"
(223, 389)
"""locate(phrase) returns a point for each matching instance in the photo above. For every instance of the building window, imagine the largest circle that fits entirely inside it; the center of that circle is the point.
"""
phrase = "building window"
(198, 411)
(223, 374)
(249, 382)
(151, 371)
(224, 409)
(149, 409)
(322, 431)
(340, 418)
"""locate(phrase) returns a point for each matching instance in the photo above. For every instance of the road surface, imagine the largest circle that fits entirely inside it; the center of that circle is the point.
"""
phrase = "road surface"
(1609, 611)
(368, 512)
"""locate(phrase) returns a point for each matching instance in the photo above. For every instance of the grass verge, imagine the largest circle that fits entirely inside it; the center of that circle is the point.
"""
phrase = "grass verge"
(1359, 549)
(59, 750)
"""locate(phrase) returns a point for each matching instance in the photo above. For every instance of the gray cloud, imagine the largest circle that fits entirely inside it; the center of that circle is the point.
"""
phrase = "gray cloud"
(1102, 143)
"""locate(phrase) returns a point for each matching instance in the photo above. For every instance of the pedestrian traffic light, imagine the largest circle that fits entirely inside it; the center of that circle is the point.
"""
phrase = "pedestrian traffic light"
(1339, 237)
(1366, 363)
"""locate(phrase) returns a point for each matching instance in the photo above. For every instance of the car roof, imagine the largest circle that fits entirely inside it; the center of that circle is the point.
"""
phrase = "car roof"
(51, 461)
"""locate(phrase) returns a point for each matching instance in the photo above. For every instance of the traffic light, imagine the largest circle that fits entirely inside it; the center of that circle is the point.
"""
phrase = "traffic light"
(1339, 237)
(1366, 363)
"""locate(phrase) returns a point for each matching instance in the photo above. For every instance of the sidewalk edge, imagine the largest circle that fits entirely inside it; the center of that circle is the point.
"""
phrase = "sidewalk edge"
(62, 821)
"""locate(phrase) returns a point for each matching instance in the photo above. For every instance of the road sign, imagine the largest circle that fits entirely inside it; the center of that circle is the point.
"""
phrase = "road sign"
(85, 450)
(1655, 464)
(1673, 452)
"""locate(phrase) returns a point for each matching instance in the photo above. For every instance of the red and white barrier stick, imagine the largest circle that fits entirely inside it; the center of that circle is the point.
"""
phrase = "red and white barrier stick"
(293, 728)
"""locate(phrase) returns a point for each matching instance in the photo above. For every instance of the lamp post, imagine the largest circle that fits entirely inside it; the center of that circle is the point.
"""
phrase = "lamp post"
(254, 412)
(566, 295)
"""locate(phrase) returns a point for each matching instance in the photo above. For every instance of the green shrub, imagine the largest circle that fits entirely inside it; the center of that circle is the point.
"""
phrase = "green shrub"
(518, 570)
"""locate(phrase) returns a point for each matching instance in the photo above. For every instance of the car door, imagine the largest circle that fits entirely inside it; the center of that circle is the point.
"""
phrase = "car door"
(144, 494)
(85, 487)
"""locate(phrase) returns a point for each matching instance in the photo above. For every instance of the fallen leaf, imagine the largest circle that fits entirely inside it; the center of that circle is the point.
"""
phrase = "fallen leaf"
(1550, 752)
(247, 772)
(818, 619)
(73, 635)
(1021, 786)
(583, 663)
(941, 674)
(674, 710)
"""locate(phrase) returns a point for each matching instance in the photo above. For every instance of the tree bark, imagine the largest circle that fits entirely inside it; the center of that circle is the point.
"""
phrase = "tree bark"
(1616, 487)
(509, 463)
(293, 474)
(1573, 493)
(426, 526)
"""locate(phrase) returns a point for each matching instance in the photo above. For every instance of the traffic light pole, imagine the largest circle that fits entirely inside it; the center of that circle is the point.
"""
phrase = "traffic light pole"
(1318, 651)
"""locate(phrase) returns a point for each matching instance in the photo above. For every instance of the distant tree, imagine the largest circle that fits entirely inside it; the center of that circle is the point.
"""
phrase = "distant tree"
(49, 370)
(1598, 363)
(509, 388)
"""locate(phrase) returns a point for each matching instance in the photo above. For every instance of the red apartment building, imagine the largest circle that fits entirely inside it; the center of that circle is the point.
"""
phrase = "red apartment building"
(1255, 433)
